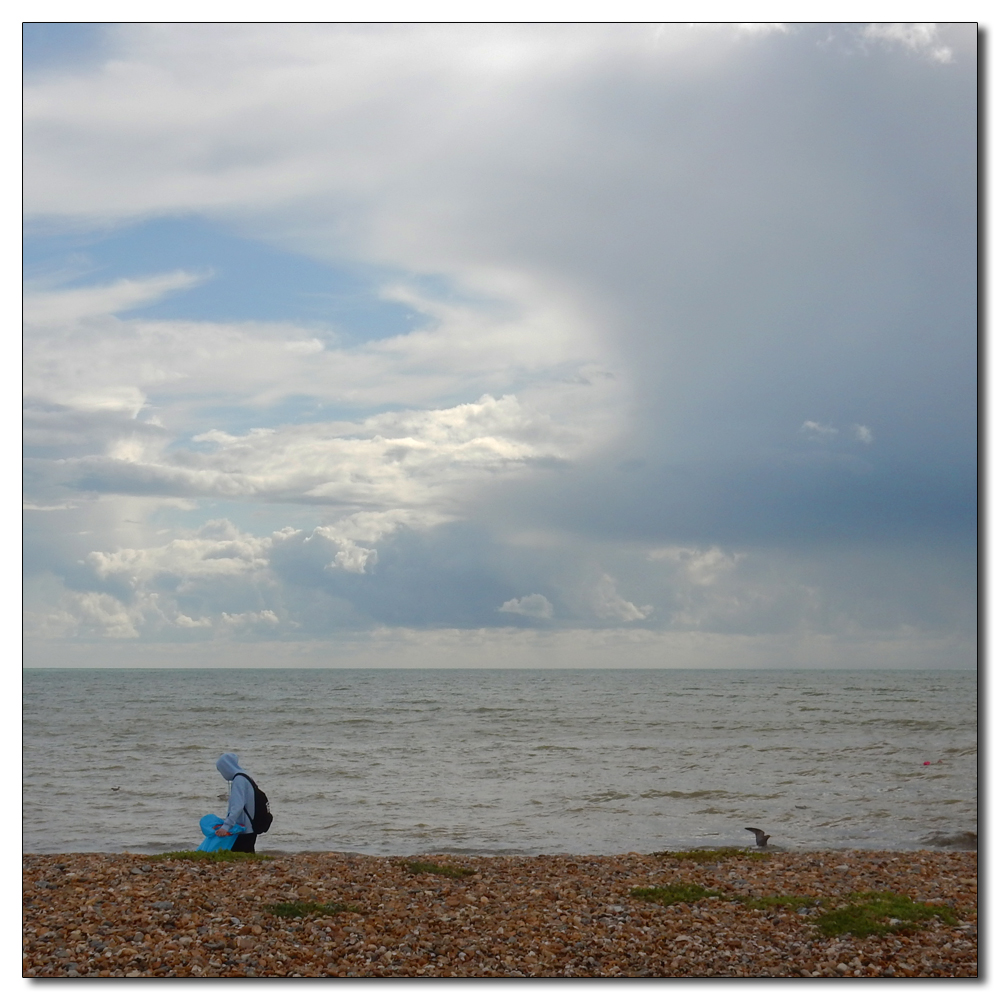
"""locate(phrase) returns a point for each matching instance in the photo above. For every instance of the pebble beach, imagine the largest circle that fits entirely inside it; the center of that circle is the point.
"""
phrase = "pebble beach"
(132, 916)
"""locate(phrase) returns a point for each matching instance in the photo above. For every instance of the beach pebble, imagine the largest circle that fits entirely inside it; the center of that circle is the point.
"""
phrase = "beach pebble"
(557, 916)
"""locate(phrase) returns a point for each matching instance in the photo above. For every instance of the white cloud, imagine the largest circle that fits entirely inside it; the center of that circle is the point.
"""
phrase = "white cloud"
(250, 618)
(88, 375)
(714, 590)
(216, 567)
(369, 526)
(393, 460)
(46, 308)
(219, 550)
(919, 37)
(80, 354)
(214, 117)
(50, 623)
(815, 431)
(818, 432)
(762, 28)
(95, 613)
(532, 606)
(183, 621)
(608, 603)
(703, 567)
(354, 558)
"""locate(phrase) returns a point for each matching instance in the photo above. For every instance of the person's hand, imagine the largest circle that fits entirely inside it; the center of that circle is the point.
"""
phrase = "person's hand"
(216, 829)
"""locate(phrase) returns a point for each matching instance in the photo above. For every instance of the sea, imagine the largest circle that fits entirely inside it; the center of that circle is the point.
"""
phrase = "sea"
(481, 762)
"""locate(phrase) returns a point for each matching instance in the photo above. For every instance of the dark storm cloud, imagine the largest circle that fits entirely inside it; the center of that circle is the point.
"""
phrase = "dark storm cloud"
(771, 501)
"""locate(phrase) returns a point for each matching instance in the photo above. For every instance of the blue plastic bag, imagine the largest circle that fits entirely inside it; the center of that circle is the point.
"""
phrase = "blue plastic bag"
(211, 841)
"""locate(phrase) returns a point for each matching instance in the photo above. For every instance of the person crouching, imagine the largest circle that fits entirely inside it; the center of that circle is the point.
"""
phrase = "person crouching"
(241, 804)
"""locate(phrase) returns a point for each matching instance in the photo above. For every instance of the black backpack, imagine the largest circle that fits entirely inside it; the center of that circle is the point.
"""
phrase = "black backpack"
(262, 818)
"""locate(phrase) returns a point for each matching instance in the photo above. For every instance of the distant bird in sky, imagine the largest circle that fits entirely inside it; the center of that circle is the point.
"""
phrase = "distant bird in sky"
(762, 838)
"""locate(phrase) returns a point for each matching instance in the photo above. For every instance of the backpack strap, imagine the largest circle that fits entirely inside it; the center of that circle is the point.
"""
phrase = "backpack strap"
(258, 799)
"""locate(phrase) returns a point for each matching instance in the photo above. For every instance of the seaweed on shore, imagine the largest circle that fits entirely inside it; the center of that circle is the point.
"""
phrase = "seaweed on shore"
(710, 854)
(676, 892)
(880, 913)
(429, 868)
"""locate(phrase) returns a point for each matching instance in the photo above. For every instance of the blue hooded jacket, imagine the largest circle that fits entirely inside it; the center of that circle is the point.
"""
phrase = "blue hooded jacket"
(241, 795)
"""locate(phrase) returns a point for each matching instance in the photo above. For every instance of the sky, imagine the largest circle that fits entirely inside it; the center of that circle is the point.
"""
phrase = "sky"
(604, 345)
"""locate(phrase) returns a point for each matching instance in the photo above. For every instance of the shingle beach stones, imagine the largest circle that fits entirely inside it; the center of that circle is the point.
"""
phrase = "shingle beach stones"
(739, 914)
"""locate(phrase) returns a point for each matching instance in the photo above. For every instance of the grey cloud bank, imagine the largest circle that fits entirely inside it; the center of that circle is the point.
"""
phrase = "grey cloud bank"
(692, 363)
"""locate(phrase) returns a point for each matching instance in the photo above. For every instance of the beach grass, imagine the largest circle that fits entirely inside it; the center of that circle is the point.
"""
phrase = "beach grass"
(880, 913)
(675, 892)
(708, 855)
(213, 857)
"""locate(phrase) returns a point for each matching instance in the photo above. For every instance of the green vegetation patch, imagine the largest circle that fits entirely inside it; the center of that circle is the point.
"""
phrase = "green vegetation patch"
(710, 854)
(428, 868)
(210, 856)
(777, 902)
(879, 913)
(304, 909)
(675, 892)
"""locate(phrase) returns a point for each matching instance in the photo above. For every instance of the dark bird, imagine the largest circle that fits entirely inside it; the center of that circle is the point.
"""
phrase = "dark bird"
(762, 838)
(116, 788)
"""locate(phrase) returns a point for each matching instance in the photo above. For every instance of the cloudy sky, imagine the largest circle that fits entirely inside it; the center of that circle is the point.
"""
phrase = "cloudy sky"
(597, 345)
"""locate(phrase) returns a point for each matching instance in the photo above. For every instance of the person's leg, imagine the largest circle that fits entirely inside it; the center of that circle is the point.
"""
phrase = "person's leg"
(245, 842)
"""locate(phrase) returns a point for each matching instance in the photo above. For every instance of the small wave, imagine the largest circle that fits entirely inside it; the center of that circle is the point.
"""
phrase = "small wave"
(921, 724)
(608, 796)
(966, 840)
(718, 793)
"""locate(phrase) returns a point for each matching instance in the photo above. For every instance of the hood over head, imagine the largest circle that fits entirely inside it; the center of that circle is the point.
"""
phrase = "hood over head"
(228, 765)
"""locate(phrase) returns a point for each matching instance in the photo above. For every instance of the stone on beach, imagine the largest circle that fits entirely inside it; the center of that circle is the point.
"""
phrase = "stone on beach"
(120, 915)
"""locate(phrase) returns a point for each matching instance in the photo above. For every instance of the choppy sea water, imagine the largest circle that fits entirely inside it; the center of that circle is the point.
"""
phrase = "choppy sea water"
(503, 761)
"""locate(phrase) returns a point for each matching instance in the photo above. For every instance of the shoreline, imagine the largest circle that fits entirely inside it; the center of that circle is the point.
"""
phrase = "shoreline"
(967, 844)
(280, 854)
(135, 915)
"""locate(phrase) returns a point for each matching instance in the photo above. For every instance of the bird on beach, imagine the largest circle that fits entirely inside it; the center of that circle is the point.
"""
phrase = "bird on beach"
(762, 838)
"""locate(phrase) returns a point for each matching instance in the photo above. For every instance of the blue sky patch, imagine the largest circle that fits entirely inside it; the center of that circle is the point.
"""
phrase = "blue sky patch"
(49, 46)
(245, 279)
